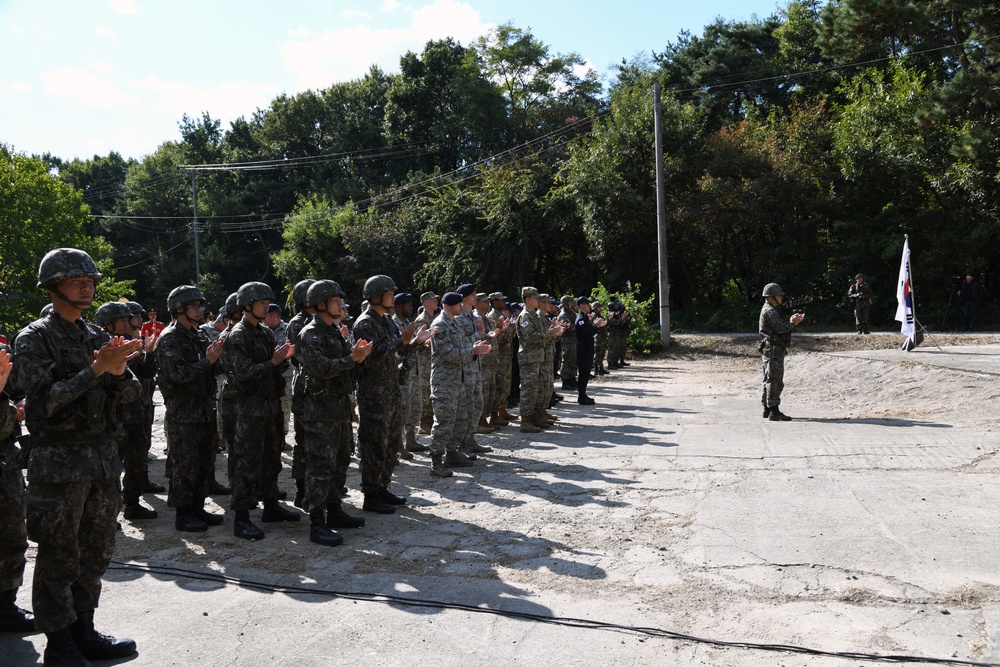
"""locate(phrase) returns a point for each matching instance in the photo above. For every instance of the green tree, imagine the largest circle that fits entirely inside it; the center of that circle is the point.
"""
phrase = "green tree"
(38, 212)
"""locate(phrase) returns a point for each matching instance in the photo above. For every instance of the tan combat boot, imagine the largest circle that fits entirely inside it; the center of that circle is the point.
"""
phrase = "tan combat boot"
(496, 422)
(528, 425)
(506, 415)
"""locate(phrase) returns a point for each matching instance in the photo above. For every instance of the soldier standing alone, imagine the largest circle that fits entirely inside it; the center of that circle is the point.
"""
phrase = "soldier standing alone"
(776, 334)
(861, 294)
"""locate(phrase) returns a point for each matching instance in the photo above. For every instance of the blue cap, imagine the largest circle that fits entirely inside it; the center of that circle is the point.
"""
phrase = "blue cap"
(272, 307)
(451, 299)
(582, 299)
(402, 297)
(466, 289)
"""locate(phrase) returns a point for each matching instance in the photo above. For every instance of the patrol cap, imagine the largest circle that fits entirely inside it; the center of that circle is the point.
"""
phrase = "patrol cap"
(451, 299)
(528, 292)
(566, 299)
(402, 297)
(428, 295)
(482, 296)
(582, 300)
(543, 296)
(497, 296)
(466, 289)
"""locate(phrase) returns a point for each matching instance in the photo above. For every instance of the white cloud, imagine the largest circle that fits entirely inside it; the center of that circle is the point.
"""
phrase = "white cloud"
(126, 7)
(106, 31)
(89, 89)
(19, 87)
(10, 24)
(301, 33)
(389, 6)
(227, 101)
(341, 55)
(102, 67)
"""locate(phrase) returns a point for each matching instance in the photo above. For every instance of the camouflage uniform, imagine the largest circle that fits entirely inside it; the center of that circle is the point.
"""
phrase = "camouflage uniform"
(450, 350)
(600, 347)
(471, 376)
(532, 338)
(409, 385)
(326, 376)
(13, 534)
(568, 366)
(618, 325)
(861, 295)
(74, 468)
(548, 388)
(256, 389)
(776, 334)
(226, 405)
(423, 359)
(138, 439)
(280, 336)
(187, 382)
(502, 343)
(295, 326)
(380, 431)
(488, 365)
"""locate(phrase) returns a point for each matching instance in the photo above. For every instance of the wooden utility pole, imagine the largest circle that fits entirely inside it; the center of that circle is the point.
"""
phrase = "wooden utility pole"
(661, 221)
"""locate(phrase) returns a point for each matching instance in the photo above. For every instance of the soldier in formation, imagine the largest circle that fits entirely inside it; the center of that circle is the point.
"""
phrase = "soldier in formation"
(568, 365)
(860, 294)
(409, 380)
(255, 365)
(187, 366)
(72, 375)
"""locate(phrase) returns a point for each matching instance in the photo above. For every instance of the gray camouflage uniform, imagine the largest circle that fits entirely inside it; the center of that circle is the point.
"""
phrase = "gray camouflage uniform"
(776, 334)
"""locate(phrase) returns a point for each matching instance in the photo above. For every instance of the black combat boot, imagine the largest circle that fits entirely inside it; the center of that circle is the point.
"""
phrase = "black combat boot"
(374, 502)
(300, 493)
(438, 468)
(778, 416)
(583, 399)
(134, 511)
(95, 646)
(336, 517)
(245, 528)
(188, 522)
(767, 412)
(153, 487)
(207, 517)
(216, 488)
(457, 459)
(412, 445)
(275, 513)
(61, 651)
(320, 533)
(391, 498)
(12, 617)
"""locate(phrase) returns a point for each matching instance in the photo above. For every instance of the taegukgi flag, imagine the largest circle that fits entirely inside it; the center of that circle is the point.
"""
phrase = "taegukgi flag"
(904, 299)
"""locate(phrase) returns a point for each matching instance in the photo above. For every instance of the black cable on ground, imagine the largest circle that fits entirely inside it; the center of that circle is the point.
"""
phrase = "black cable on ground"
(582, 623)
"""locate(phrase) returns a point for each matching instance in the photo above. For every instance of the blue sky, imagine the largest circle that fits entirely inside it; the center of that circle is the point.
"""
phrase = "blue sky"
(85, 77)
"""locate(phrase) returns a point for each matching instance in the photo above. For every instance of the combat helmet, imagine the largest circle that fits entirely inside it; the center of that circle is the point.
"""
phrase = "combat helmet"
(135, 308)
(321, 290)
(111, 311)
(378, 285)
(232, 304)
(772, 289)
(253, 291)
(183, 294)
(65, 263)
(301, 290)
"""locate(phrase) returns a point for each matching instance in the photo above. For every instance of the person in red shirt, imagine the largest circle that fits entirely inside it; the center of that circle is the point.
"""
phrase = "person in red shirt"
(151, 327)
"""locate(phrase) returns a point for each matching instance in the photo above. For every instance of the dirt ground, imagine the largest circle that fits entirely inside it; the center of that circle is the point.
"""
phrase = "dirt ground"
(865, 526)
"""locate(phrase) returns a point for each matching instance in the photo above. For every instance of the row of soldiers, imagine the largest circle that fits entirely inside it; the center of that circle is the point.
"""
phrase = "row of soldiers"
(86, 408)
